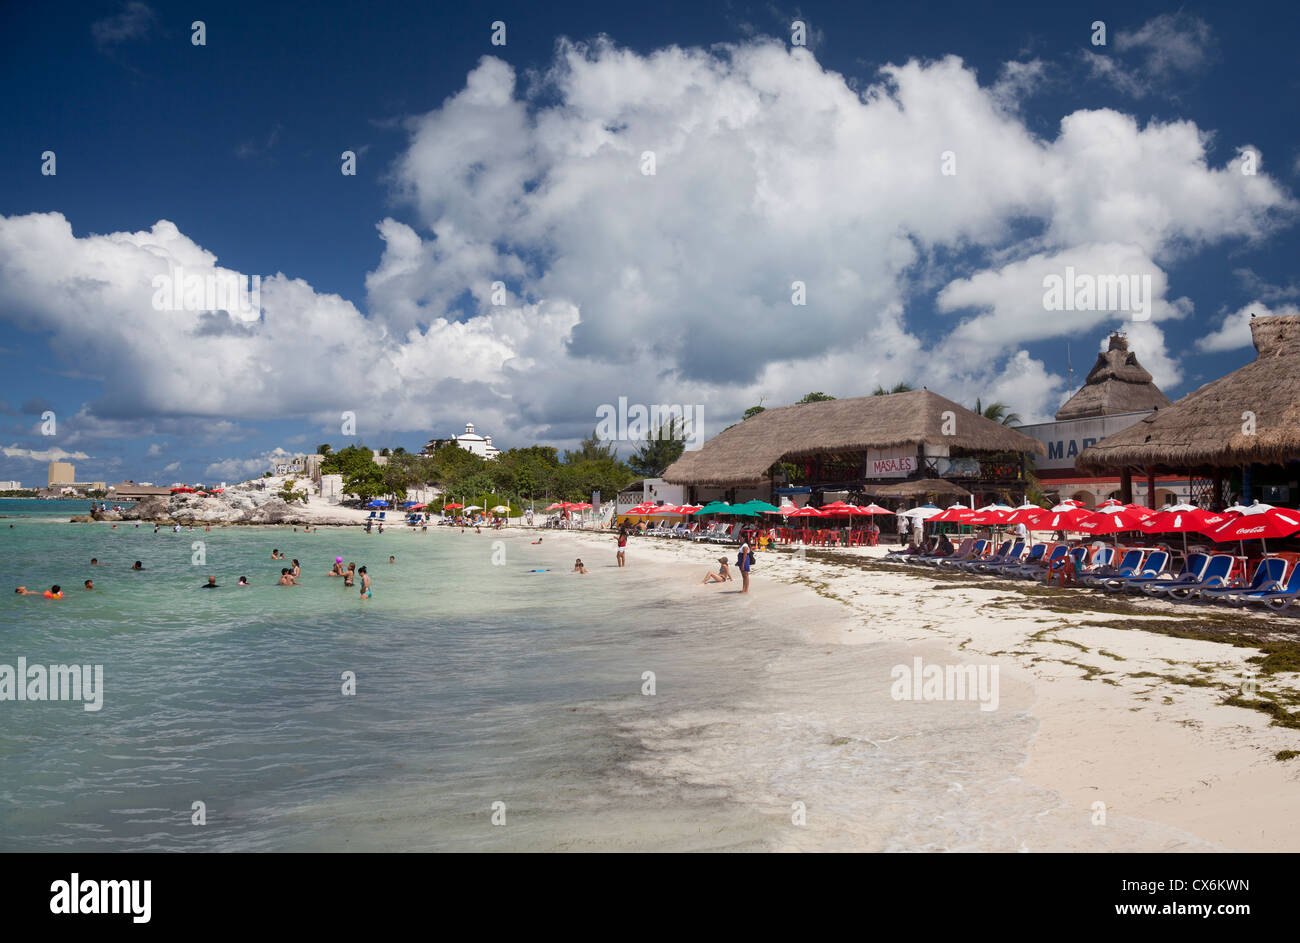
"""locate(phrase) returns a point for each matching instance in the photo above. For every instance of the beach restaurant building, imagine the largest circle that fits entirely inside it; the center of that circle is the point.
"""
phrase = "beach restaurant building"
(1236, 439)
(854, 446)
(1117, 393)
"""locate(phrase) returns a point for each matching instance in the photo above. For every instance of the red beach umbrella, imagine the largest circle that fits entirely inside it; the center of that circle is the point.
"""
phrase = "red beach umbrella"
(875, 509)
(1274, 522)
(452, 507)
(808, 511)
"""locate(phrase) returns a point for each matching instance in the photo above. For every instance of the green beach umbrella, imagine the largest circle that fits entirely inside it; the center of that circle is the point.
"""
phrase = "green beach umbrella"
(762, 506)
(715, 507)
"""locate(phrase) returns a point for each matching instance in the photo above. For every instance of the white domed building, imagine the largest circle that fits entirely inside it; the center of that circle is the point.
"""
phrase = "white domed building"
(469, 440)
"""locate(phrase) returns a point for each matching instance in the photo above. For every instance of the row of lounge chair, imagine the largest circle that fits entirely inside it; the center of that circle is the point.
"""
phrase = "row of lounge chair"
(717, 533)
(1204, 576)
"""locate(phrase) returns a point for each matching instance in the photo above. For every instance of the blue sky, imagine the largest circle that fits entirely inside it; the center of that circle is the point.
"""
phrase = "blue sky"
(522, 163)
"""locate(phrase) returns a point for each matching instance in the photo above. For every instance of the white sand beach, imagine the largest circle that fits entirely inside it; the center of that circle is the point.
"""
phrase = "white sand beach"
(1119, 713)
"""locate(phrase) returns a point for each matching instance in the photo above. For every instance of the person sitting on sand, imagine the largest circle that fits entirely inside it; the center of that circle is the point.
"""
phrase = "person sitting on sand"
(210, 584)
(578, 567)
(88, 585)
(137, 565)
(722, 576)
(286, 578)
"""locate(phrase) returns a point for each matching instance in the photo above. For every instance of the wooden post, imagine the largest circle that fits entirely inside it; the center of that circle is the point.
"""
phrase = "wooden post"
(1151, 487)
(1126, 485)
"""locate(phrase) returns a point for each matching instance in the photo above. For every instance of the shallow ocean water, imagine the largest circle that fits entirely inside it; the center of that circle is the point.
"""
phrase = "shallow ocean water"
(477, 683)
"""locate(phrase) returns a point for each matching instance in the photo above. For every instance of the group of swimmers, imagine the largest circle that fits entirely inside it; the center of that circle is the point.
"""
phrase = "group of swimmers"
(56, 591)
(288, 577)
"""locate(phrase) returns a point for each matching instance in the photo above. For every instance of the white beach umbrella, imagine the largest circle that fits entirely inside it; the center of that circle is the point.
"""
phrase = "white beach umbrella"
(922, 513)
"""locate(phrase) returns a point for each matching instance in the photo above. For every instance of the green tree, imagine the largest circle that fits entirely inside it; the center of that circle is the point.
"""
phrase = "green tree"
(753, 411)
(815, 398)
(997, 412)
(591, 449)
(664, 446)
(323, 449)
(896, 388)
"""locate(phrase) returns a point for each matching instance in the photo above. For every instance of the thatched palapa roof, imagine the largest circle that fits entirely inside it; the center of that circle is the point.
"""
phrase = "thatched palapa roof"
(1207, 427)
(743, 453)
(919, 489)
(1117, 383)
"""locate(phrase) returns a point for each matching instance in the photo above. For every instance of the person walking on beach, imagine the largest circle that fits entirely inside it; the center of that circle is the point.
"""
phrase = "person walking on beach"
(904, 525)
(622, 546)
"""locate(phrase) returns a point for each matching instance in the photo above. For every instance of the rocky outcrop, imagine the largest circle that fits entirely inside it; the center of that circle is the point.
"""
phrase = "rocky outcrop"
(232, 507)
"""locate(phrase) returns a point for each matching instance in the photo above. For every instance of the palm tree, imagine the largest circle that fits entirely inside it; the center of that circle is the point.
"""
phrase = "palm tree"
(997, 412)
(896, 388)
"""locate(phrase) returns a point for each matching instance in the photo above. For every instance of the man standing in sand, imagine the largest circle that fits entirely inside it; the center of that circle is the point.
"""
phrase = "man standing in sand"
(904, 525)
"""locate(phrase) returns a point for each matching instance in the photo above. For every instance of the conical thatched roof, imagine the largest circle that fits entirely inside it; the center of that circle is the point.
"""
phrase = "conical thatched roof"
(1208, 426)
(743, 453)
(1117, 383)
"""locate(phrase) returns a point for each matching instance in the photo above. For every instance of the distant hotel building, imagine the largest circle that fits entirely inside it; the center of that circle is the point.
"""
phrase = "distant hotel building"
(470, 441)
(1117, 393)
(61, 473)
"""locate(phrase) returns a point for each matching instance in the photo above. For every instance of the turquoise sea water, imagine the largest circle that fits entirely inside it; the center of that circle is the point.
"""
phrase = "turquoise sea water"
(476, 682)
(479, 685)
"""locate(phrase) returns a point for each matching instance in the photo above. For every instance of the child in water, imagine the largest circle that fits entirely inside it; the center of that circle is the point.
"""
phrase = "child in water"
(578, 567)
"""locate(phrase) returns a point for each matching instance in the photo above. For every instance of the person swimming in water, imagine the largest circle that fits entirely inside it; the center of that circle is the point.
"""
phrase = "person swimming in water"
(54, 592)
(210, 584)
(337, 568)
(24, 591)
(243, 581)
(297, 569)
(578, 567)
(286, 578)
(94, 561)
(537, 541)
(350, 576)
(137, 565)
(275, 554)
(365, 583)
(392, 559)
(89, 584)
